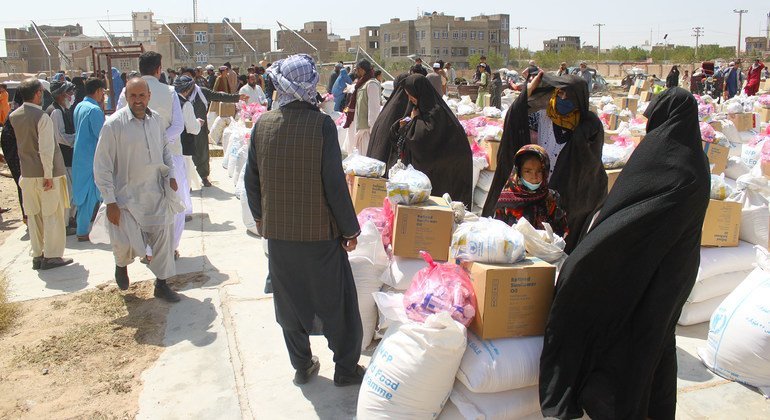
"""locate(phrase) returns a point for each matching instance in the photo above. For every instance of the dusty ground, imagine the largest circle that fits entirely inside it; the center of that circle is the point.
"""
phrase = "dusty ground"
(8, 199)
(81, 355)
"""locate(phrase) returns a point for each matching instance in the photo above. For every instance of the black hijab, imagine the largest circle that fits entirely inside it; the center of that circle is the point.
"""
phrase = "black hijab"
(436, 144)
(609, 342)
(579, 176)
(382, 140)
(672, 80)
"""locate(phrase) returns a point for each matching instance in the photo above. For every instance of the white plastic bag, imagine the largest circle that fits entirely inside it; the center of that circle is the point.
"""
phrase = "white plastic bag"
(412, 371)
(218, 128)
(738, 346)
(248, 219)
(616, 155)
(490, 366)
(485, 180)
(754, 193)
(543, 244)
(719, 189)
(390, 309)
(699, 312)
(359, 165)
(479, 163)
(512, 404)
(488, 241)
(408, 185)
(370, 246)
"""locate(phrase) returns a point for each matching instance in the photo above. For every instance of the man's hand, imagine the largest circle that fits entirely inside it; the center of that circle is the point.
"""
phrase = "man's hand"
(113, 213)
(535, 83)
(47, 184)
(259, 227)
(244, 97)
(349, 245)
(201, 121)
(172, 181)
(415, 112)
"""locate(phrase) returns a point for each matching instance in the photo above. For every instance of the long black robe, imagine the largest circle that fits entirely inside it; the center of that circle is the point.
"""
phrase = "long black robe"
(672, 80)
(609, 342)
(436, 143)
(381, 138)
(578, 176)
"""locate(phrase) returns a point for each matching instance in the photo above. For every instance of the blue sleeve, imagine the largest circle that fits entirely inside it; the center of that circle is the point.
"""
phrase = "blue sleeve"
(95, 122)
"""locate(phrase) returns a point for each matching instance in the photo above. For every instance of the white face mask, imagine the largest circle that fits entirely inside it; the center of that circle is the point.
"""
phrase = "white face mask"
(69, 101)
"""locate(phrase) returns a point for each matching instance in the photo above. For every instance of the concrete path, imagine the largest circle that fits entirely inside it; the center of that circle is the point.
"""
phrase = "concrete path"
(225, 356)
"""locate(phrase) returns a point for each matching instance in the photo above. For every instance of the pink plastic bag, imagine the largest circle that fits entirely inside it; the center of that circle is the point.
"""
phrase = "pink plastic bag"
(707, 132)
(440, 288)
(383, 219)
(478, 151)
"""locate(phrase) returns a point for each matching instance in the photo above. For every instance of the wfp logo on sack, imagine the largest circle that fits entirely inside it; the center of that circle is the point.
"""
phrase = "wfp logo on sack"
(718, 322)
(475, 248)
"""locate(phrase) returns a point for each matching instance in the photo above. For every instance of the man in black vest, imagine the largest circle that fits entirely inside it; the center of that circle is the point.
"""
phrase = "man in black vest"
(60, 112)
(308, 220)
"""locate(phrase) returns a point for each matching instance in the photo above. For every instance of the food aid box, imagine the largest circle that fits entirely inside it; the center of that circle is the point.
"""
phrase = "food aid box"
(627, 103)
(491, 147)
(366, 192)
(214, 107)
(613, 122)
(743, 121)
(634, 91)
(717, 155)
(644, 84)
(646, 96)
(226, 109)
(513, 299)
(716, 125)
(722, 225)
(423, 227)
(763, 114)
(612, 176)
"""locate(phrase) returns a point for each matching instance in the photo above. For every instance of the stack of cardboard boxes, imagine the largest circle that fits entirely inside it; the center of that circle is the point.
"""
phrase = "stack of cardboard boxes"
(366, 192)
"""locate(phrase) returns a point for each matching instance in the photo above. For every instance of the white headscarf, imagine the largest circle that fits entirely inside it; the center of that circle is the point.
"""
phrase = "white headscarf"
(295, 78)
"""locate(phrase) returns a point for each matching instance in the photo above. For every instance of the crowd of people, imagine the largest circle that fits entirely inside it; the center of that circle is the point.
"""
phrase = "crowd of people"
(610, 353)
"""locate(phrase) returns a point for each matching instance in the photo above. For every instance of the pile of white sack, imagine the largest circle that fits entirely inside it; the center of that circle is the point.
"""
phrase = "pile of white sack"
(738, 346)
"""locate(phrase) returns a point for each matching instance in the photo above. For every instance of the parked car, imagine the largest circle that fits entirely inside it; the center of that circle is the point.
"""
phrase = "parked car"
(600, 84)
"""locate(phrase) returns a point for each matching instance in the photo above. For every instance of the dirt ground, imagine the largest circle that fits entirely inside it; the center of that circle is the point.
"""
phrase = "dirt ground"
(81, 355)
(9, 221)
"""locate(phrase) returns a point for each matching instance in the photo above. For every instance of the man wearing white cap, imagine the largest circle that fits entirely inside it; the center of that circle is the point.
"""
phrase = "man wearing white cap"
(211, 76)
(435, 79)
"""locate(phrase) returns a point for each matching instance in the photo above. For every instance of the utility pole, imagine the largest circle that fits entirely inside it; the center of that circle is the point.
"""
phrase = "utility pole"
(740, 13)
(599, 47)
(698, 33)
(519, 28)
(195, 10)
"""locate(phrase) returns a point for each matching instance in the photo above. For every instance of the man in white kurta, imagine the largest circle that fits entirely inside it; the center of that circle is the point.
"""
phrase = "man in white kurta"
(253, 91)
(133, 169)
(184, 86)
(367, 109)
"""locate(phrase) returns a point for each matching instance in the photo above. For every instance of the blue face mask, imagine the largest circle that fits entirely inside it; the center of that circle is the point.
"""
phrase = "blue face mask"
(529, 185)
(564, 106)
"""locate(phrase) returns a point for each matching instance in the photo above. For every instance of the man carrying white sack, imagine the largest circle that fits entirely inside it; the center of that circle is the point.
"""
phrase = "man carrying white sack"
(133, 170)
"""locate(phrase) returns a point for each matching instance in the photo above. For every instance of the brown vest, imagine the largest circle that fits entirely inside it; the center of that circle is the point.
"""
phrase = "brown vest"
(24, 121)
(288, 144)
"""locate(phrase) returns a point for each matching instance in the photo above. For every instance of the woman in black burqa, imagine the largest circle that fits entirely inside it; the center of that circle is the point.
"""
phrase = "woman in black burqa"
(434, 142)
(576, 154)
(381, 140)
(610, 338)
(672, 80)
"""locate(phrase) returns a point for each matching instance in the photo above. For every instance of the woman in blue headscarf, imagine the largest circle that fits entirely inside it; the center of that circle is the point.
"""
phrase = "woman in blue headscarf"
(338, 90)
(117, 88)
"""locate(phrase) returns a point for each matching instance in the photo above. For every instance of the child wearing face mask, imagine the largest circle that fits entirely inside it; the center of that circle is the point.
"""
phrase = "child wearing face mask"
(526, 193)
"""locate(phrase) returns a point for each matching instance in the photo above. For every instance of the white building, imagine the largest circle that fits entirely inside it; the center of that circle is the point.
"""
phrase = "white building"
(144, 29)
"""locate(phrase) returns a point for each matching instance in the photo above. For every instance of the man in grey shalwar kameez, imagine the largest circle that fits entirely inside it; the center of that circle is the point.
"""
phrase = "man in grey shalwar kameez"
(133, 169)
(297, 194)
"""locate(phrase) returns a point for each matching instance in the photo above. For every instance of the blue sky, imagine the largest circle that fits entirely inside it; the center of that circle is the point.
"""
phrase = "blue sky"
(642, 21)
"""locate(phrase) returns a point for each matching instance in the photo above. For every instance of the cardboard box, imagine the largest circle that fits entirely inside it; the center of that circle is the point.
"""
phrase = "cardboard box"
(646, 96)
(763, 114)
(366, 192)
(743, 121)
(491, 147)
(627, 103)
(765, 86)
(226, 109)
(425, 227)
(249, 124)
(214, 107)
(717, 155)
(513, 299)
(716, 125)
(613, 122)
(634, 91)
(612, 176)
(722, 225)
